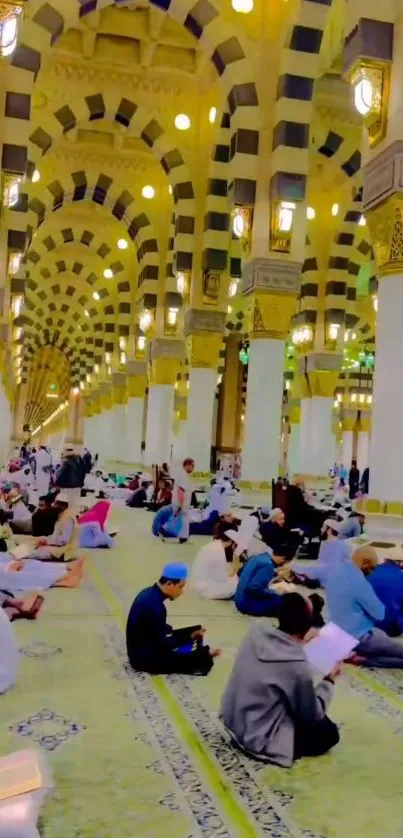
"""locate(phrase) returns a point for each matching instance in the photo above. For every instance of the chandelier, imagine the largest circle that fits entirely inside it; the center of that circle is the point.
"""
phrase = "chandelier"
(10, 21)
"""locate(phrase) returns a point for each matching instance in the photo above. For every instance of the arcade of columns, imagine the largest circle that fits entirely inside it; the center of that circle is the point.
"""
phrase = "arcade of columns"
(198, 206)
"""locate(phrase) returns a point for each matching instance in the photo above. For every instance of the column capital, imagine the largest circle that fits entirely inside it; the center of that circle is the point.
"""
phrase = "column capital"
(271, 276)
(106, 396)
(383, 207)
(271, 287)
(350, 420)
(136, 379)
(119, 393)
(203, 321)
(166, 348)
(320, 362)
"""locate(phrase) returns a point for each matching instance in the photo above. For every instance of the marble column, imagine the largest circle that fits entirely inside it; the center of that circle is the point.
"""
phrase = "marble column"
(382, 204)
(270, 287)
(386, 459)
(5, 425)
(75, 421)
(118, 417)
(105, 443)
(317, 390)
(137, 384)
(348, 446)
(204, 332)
(294, 441)
(165, 356)
(363, 442)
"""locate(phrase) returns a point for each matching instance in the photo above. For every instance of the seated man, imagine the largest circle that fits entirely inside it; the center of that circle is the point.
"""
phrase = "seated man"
(352, 526)
(211, 575)
(270, 705)
(152, 645)
(9, 654)
(62, 544)
(387, 582)
(45, 516)
(139, 497)
(354, 606)
(162, 496)
(276, 535)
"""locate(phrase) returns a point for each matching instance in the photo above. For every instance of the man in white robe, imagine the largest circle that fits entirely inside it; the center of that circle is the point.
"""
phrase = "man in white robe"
(210, 575)
(9, 655)
(43, 468)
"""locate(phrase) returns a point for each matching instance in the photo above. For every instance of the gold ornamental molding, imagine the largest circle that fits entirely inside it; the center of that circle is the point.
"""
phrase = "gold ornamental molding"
(10, 7)
(78, 71)
(383, 207)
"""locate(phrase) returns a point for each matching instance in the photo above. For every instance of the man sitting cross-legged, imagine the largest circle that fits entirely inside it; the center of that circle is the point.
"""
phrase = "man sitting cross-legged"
(270, 705)
(354, 606)
(152, 645)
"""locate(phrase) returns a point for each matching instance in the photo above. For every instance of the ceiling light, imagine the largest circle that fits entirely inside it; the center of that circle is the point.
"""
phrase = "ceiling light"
(238, 224)
(233, 287)
(335, 209)
(122, 344)
(363, 96)
(9, 31)
(362, 221)
(96, 296)
(82, 385)
(123, 244)
(75, 391)
(243, 6)
(180, 282)
(145, 320)
(87, 314)
(286, 215)
(107, 357)
(123, 357)
(172, 316)
(310, 213)
(148, 192)
(108, 273)
(96, 369)
(182, 122)
(170, 189)
(36, 176)
(212, 115)
(141, 342)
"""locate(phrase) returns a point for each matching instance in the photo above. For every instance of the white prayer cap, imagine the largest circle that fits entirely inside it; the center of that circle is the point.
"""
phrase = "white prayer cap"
(332, 524)
(244, 536)
(62, 498)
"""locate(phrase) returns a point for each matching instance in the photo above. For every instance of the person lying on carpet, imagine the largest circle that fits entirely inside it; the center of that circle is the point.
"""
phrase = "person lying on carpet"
(212, 577)
(353, 605)
(9, 654)
(270, 706)
(152, 645)
(29, 574)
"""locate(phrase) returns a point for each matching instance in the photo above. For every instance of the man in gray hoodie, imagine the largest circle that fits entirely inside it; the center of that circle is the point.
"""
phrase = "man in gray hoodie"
(270, 706)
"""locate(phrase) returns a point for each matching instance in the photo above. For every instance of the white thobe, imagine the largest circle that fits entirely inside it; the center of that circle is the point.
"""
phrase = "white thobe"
(43, 459)
(9, 655)
(209, 574)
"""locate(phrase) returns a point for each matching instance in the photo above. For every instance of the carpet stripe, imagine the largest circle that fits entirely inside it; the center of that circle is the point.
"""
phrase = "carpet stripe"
(241, 825)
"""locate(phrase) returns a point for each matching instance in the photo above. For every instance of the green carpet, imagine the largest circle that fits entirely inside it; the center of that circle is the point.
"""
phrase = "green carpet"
(135, 756)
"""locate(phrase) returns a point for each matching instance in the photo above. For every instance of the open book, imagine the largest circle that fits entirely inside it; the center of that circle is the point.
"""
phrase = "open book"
(330, 647)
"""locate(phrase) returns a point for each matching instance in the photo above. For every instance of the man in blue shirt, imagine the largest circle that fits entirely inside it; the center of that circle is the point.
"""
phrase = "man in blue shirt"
(387, 582)
(252, 595)
(152, 645)
(354, 606)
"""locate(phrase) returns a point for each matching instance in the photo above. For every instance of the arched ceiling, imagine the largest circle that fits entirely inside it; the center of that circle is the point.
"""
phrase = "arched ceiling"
(109, 80)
